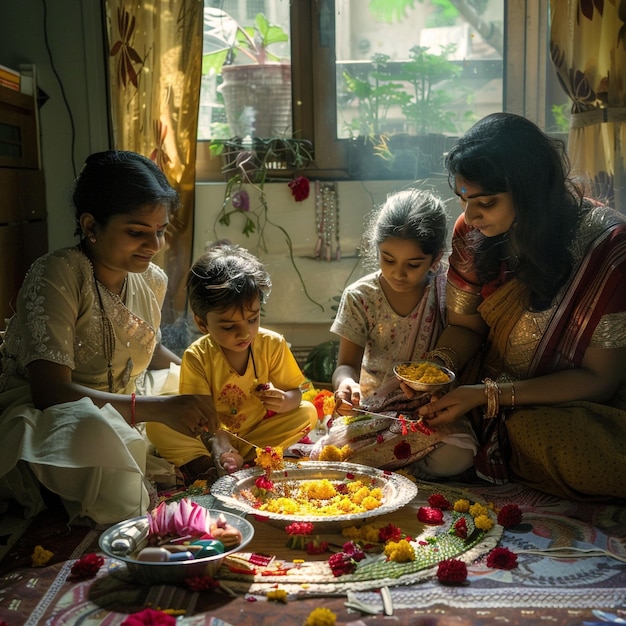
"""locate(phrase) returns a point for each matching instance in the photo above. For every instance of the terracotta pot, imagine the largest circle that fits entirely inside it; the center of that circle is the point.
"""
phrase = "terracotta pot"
(257, 99)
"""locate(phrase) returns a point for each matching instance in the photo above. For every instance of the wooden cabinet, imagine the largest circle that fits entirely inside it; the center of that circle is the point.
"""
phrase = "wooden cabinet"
(23, 218)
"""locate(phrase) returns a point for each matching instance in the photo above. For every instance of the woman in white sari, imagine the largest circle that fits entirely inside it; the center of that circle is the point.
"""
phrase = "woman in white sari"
(86, 328)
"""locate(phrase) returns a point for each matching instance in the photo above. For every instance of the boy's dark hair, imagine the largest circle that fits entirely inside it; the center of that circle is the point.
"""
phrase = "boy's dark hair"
(410, 214)
(224, 277)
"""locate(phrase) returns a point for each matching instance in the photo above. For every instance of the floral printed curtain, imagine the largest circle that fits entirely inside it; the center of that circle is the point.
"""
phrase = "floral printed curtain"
(155, 62)
(588, 49)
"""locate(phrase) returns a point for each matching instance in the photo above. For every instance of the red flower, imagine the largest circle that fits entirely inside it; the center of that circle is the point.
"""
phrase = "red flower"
(428, 515)
(379, 439)
(201, 583)
(300, 188)
(460, 528)
(502, 558)
(345, 562)
(391, 532)
(439, 502)
(402, 450)
(87, 567)
(262, 482)
(452, 572)
(299, 528)
(149, 617)
(509, 516)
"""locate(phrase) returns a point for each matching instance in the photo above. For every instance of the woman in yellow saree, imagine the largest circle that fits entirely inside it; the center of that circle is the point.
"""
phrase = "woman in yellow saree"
(537, 287)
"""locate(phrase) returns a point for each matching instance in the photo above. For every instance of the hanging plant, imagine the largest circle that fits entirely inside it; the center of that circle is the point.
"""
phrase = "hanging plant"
(250, 164)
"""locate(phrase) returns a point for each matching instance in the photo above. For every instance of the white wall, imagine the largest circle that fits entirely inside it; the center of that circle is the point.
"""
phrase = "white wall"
(288, 310)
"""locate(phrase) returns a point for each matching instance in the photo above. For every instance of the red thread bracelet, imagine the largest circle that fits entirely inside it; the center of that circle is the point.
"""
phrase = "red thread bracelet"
(132, 410)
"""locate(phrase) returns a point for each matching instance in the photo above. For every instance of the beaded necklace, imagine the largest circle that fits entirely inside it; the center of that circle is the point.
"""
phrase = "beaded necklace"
(108, 332)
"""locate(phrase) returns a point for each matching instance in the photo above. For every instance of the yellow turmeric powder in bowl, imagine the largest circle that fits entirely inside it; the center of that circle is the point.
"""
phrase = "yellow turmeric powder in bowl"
(423, 375)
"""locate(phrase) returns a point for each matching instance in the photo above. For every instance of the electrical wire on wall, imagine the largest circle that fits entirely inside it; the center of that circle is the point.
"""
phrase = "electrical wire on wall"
(61, 86)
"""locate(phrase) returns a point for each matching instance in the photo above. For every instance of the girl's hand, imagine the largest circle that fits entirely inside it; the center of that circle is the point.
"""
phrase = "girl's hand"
(452, 405)
(348, 391)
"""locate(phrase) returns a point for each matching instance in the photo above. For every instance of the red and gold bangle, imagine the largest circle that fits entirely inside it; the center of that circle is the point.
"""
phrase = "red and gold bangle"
(492, 393)
(133, 410)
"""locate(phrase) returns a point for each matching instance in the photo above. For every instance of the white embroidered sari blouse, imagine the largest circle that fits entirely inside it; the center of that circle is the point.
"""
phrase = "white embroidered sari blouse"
(59, 319)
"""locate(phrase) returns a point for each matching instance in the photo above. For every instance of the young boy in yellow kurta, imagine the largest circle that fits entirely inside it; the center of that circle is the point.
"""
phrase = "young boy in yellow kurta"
(249, 371)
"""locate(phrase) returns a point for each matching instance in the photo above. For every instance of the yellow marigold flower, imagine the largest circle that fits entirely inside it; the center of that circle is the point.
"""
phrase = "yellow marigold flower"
(369, 503)
(269, 458)
(352, 532)
(199, 484)
(483, 522)
(377, 493)
(328, 406)
(476, 510)
(41, 556)
(401, 551)
(330, 453)
(310, 394)
(318, 489)
(462, 506)
(321, 617)
(370, 533)
(278, 595)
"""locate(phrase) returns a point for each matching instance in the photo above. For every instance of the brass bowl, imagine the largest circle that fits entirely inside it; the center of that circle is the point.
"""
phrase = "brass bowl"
(431, 388)
(176, 572)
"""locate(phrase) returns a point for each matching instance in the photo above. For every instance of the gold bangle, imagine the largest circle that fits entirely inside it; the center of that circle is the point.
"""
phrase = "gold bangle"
(492, 393)
(512, 395)
(440, 353)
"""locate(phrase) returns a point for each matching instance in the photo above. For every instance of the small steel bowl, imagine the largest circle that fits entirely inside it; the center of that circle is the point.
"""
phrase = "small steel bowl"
(169, 572)
(426, 387)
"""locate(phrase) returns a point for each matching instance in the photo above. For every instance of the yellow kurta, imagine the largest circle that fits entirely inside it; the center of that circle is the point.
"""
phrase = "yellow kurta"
(205, 370)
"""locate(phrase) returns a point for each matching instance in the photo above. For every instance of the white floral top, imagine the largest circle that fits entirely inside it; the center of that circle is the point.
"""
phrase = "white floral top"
(366, 318)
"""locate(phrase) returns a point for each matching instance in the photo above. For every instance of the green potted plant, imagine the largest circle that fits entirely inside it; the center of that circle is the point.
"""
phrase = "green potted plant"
(256, 84)
(418, 92)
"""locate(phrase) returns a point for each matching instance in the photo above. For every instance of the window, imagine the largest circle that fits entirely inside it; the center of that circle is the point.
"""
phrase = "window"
(382, 84)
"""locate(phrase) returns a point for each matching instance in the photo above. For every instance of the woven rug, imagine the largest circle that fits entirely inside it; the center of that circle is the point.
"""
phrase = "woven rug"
(547, 584)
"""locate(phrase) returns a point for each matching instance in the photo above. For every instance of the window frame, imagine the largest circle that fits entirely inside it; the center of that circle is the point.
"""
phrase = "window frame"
(314, 97)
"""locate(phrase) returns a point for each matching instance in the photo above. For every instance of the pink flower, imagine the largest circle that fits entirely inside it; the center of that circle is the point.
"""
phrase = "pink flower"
(87, 567)
(452, 572)
(429, 515)
(241, 200)
(149, 617)
(300, 188)
(502, 558)
(509, 516)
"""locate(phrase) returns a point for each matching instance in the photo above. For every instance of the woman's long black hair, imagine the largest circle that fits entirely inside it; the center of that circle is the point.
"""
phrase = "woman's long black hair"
(504, 152)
